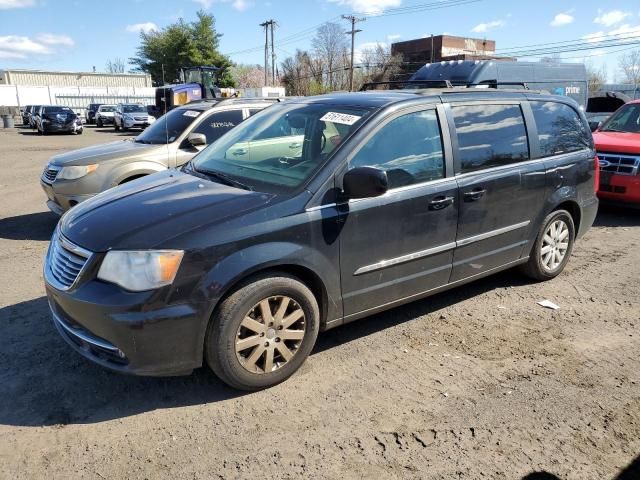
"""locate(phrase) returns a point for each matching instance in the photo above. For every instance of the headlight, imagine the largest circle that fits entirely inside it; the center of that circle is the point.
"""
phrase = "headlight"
(140, 270)
(76, 171)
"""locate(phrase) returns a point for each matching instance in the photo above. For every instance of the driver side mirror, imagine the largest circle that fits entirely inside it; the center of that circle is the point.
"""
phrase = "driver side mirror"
(365, 182)
(196, 139)
(595, 126)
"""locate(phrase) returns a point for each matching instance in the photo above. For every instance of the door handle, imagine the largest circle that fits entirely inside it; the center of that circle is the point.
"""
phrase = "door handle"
(473, 195)
(440, 202)
(240, 151)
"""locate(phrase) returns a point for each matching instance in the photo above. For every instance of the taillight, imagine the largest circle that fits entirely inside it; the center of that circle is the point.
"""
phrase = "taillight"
(596, 187)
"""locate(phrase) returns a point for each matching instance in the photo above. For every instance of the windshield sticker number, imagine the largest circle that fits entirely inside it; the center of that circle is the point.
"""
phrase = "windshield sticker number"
(191, 113)
(222, 125)
(341, 118)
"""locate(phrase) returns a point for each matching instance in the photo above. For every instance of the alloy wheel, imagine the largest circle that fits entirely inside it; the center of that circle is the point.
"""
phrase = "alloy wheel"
(270, 334)
(554, 246)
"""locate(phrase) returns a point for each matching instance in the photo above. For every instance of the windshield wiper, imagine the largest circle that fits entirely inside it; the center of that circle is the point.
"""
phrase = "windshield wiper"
(226, 179)
(614, 130)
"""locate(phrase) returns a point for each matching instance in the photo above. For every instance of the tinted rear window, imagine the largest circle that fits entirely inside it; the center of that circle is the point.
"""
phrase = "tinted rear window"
(560, 129)
(490, 136)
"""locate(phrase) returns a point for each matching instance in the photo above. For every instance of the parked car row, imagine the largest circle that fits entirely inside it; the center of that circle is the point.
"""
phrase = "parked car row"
(312, 213)
(94, 110)
(52, 119)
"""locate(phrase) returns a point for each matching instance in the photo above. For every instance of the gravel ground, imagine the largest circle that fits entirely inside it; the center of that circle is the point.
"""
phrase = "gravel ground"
(479, 382)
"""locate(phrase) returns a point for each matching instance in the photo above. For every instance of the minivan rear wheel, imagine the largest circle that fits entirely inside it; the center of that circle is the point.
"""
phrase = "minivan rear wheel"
(552, 248)
(263, 332)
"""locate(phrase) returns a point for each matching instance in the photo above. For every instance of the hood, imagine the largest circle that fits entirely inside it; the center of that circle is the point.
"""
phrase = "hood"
(107, 151)
(146, 213)
(617, 142)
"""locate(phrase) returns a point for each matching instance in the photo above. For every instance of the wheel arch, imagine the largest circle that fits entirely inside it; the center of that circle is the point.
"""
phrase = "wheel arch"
(574, 210)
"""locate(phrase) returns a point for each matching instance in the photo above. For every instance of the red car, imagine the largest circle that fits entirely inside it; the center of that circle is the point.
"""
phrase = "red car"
(618, 146)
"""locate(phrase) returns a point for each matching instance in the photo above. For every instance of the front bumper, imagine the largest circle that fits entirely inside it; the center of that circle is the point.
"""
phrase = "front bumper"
(59, 203)
(116, 330)
(56, 127)
(105, 120)
(619, 188)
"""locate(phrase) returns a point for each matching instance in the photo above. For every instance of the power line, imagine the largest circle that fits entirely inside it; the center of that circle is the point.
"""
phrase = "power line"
(310, 31)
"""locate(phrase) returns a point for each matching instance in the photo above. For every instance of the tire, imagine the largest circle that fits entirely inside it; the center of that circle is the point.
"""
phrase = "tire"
(99, 124)
(115, 126)
(540, 266)
(79, 131)
(227, 327)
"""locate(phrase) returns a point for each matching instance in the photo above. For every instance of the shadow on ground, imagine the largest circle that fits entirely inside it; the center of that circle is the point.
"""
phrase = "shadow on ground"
(616, 216)
(111, 130)
(44, 382)
(32, 226)
(631, 472)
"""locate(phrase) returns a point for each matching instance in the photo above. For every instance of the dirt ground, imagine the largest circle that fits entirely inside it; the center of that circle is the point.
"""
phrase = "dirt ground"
(475, 383)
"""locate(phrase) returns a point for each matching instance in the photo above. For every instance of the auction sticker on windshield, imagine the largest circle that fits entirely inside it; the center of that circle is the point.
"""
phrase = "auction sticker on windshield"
(191, 113)
(342, 118)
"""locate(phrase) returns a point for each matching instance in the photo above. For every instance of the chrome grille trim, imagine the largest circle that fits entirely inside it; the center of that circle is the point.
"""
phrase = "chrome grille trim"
(619, 163)
(84, 335)
(65, 262)
(50, 173)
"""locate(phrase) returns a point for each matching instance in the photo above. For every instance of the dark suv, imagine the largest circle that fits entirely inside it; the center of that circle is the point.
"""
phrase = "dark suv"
(313, 213)
(92, 109)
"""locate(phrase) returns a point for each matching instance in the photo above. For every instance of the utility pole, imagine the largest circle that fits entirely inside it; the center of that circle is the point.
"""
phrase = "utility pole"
(273, 55)
(353, 19)
(269, 24)
(266, 52)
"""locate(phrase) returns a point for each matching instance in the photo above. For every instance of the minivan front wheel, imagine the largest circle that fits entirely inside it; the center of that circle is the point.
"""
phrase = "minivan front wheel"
(552, 248)
(263, 332)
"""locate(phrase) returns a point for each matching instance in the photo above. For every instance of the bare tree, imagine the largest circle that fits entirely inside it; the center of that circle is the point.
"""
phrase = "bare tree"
(596, 77)
(329, 45)
(629, 63)
(115, 66)
(378, 65)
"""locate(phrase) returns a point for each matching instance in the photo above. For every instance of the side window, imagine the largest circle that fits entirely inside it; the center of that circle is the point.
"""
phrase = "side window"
(560, 129)
(490, 136)
(217, 124)
(408, 148)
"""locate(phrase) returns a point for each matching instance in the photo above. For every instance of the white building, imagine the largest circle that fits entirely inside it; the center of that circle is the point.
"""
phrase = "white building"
(43, 78)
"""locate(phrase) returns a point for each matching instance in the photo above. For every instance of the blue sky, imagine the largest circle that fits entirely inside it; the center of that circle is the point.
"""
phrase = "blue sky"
(80, 34)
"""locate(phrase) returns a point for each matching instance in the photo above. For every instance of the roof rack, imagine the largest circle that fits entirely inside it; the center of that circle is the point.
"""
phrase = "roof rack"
(431, 83)
(444, 84)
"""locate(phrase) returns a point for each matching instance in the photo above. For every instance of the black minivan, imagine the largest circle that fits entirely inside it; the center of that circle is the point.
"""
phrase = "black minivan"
(313, 213)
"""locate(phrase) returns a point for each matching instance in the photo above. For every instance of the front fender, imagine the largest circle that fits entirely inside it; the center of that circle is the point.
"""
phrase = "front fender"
(226, 273)
(135, 169)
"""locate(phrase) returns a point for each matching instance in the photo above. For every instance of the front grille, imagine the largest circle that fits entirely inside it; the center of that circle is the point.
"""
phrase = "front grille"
(141, 119)
(619, 163)
(50, 173)
(613, 189)
(65, 262)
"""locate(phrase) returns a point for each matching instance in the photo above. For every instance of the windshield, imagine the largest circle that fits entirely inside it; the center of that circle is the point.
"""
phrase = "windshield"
(57, 110)
(626, 119)
(134, 109)
(106, 109)
(168, 127)
(281, 147)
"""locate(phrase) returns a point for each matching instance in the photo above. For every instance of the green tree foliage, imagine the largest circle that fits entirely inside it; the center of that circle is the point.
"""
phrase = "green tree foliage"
(181, 45)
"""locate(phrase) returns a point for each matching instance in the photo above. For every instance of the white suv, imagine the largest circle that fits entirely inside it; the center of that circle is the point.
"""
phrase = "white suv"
(104, 115)
(131, 115)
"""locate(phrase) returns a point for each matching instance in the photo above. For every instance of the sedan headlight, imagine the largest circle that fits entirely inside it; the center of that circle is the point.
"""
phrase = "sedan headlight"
(140, 270)
(76, 171)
